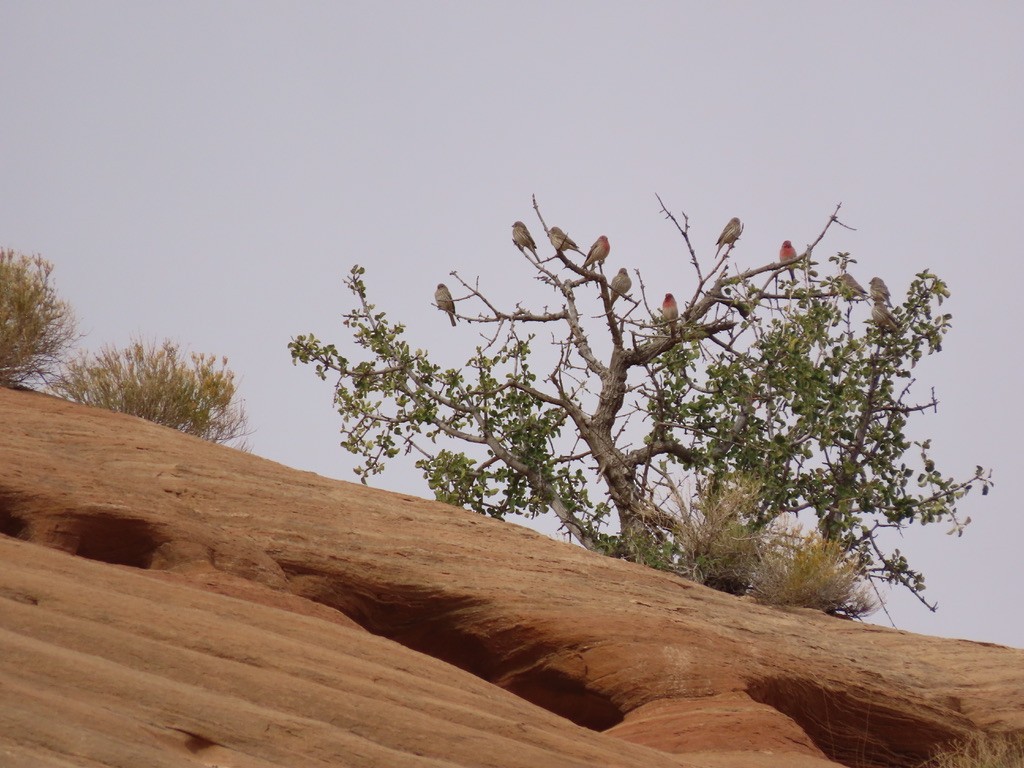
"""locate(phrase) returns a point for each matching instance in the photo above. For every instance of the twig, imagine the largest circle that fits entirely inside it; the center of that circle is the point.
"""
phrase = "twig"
(685, 232)
(833, 219)
(539, 216)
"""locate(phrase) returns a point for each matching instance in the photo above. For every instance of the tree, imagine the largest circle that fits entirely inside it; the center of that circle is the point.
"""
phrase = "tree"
(157, 383)
(759, 378)
(36, 326)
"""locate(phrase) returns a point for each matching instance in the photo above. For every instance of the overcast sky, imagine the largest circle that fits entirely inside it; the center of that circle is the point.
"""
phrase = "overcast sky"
(209, 171)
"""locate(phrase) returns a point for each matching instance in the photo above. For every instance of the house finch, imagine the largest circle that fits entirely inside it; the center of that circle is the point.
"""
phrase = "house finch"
(787, 253)
(620, 284)
(598, 252)
(522, 239)
(879, 291)
(851, 283)
(669, 308)
(883, 318)
(730, 234)
(742, 307)
(443, 299)
(562, 241)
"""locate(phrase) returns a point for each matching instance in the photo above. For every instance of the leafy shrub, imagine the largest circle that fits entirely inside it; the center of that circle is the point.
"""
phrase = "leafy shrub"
(785, 385)
(158, 384)
(36, 327)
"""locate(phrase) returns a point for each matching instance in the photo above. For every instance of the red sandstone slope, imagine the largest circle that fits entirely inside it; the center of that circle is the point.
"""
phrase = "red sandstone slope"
(137, 655)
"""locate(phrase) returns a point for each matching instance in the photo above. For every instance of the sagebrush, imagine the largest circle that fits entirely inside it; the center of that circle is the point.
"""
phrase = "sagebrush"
(807, 570)
(195, 395)
(37, 327)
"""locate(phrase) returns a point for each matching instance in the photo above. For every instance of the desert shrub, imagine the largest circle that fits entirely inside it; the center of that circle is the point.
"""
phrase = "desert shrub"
(194, 396)
(716, 540)
(1001, 751)
(810, 571)
(36, 327)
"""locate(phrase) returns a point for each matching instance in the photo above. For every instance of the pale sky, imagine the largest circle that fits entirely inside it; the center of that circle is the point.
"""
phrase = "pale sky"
(209, 171)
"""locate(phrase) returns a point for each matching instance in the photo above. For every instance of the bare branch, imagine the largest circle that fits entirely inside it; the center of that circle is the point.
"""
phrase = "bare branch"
(685, 232)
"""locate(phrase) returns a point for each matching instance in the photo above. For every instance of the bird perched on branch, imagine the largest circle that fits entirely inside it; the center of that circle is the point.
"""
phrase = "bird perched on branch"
(855, 288)
(730, 234)
(669, 309)
(883, 317)
(740, 306)
(620, 284)
(879, 291)
(787, 253)
(598, 252)
(444, 302)
(522, 239)
(562, 241)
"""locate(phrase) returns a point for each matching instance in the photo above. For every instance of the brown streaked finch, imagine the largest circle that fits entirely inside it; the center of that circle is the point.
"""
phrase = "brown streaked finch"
(562, 241)
(883, 318)
(669, 308)
(787, 253)
(854, 287)
(730, 234)
(598, 252)
(879, 290)
(742, 307)
(620, 284)
(522, 239)
(444, 302)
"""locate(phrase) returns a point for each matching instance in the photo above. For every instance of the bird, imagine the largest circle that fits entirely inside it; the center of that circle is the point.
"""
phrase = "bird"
(620, 284)
(879, 291)
(522, 239)
(854, 287)
(787, 253)
(730, 234)
(443, 299)
(740, 306)
(669, 309)
(562, 241)
(883, 317)
(598, 252)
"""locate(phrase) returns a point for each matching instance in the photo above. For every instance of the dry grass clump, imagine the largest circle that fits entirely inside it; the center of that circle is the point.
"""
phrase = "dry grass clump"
(36, 327)
(1000, 751)
(717, 541)
(810, 571)
(716, 546)
(157, 383)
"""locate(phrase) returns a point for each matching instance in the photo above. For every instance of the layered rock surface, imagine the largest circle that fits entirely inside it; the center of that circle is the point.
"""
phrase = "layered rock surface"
(166, 601)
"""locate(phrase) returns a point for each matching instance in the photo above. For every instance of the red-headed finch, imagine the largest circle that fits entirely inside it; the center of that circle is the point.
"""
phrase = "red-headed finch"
(730, 234)
(879, 290)
(787, 253)
(598, 252)
(562, 241)
(620, 284)
(443, 299)
(522, 239)
(883, 318)
(669, 308)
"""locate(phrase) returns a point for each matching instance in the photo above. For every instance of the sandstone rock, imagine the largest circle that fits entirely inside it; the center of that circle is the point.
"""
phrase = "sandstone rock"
(210, 607)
